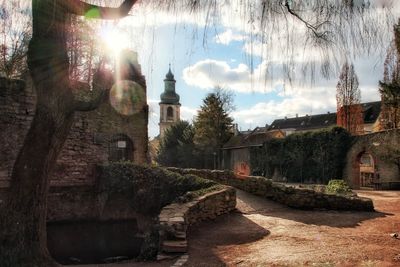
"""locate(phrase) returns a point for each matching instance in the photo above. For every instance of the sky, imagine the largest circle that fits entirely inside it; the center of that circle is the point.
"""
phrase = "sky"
(226, 51)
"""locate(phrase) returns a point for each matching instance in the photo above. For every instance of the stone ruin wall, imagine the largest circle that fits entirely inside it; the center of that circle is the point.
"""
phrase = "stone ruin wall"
(86, 145)
(176, 218)
(384, 147)
(299, 198)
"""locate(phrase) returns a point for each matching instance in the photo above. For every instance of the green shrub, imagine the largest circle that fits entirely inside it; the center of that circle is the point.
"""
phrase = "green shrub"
(315, 157)
(147, 189)
(338, 187)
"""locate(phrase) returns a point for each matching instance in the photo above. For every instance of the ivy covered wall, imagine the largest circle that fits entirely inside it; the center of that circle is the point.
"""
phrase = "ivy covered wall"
(314, 157)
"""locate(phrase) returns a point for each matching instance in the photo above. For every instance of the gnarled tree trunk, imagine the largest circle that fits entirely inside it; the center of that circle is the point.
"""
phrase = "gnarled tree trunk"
(23, 240)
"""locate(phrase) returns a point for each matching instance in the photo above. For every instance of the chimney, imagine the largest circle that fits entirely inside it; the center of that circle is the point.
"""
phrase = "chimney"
(285, 117)
(297, 115)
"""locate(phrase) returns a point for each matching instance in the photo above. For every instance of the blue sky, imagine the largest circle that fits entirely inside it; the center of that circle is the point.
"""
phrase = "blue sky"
(221, 55)
(226, 51)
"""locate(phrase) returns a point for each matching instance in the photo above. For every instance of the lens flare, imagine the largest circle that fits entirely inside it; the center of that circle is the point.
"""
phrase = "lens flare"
(127, 97)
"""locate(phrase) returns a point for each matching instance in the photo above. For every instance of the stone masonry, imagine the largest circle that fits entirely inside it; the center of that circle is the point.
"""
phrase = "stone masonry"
(88, 143)
(384, 147)
(175, 218)
(300, 198)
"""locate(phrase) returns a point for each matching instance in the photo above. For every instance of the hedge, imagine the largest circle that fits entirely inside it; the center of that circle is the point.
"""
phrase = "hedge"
(148, 189)
(315, 157)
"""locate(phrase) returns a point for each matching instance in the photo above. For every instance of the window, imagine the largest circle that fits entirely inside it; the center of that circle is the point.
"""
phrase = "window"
(366, 160)
(120, 148)
(170, 113)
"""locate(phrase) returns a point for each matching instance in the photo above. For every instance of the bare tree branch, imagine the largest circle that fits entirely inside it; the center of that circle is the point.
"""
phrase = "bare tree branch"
(312, 28)
(81, 8)
(102, 82)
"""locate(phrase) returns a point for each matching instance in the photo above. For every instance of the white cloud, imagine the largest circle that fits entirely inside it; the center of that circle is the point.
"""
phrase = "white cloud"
(303, 101)
(154, 117)
(188, 113)
(314, 100)
(208, 74)
(227, 37)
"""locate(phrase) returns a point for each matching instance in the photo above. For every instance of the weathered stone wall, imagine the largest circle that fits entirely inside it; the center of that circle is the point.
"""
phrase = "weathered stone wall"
(88, 143)
(175, 218)
(384, 147)
(85, 203)
(17, 106)
(293, 197)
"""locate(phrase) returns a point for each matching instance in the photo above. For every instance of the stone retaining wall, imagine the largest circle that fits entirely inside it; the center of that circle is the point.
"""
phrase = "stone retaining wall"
(175, 218)
(85, 203)
(300, 198)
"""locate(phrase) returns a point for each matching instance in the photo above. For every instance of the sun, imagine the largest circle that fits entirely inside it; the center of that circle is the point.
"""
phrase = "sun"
(115, 40)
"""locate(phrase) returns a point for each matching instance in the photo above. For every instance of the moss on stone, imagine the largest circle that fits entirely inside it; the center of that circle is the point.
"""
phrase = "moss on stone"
(148, 189)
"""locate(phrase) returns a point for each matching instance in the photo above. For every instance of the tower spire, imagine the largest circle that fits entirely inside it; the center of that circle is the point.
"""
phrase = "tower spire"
(169, 104)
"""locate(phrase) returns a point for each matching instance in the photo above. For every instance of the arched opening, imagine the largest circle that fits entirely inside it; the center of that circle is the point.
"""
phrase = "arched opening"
(170, 114)
(367, 176)
(120, 148)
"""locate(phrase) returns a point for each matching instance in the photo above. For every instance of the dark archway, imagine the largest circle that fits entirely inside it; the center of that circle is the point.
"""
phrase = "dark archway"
(120, 148)
(364, 173)
(367, 170)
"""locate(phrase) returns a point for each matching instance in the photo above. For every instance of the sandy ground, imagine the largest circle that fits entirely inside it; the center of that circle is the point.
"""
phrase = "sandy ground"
(264, 233)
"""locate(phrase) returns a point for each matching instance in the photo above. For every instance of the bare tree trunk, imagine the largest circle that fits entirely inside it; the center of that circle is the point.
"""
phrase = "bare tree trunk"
(23, 239)
(26, 241)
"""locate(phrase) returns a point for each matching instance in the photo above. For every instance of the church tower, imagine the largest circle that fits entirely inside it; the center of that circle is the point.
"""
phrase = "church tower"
(169, 105)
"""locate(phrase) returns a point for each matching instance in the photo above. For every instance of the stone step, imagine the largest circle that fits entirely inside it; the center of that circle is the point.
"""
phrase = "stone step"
(167, 256)
(174, 246)
(180, 235)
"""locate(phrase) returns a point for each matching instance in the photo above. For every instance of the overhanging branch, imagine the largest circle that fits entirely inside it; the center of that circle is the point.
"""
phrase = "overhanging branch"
(312, 28)
(81, 8)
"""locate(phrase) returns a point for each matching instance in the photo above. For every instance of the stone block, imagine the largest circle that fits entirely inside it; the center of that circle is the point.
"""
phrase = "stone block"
(174, 246)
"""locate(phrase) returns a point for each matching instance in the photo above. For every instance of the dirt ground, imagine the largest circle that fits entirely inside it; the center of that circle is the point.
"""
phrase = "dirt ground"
(264, 233)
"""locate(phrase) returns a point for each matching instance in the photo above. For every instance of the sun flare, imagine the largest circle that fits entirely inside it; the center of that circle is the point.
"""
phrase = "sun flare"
(115, 40)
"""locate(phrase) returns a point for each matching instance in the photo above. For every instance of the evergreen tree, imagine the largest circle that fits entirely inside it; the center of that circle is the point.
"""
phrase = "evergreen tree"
(213, 126)
(177, 148)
